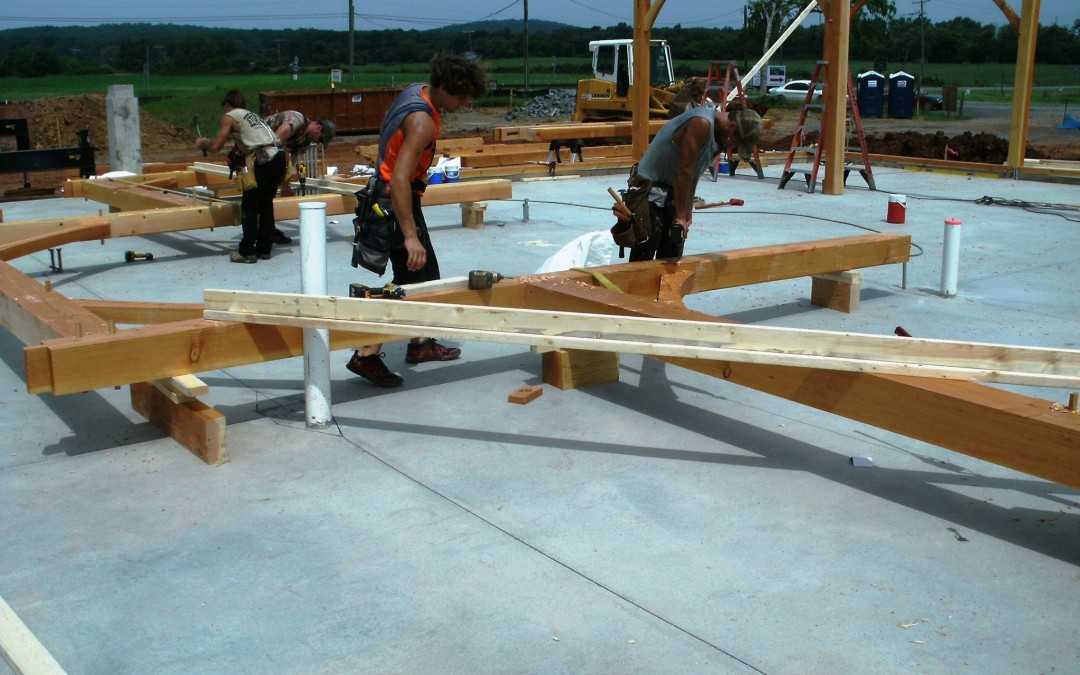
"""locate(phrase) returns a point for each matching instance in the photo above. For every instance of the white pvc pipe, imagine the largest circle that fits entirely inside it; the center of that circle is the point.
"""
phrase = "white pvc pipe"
(950, 257)
(316, 340)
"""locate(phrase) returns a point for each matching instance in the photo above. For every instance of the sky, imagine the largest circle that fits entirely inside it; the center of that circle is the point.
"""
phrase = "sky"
(426, 14)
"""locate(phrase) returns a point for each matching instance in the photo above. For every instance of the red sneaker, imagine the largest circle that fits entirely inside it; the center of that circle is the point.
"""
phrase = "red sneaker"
(429, 350)
(372, 369)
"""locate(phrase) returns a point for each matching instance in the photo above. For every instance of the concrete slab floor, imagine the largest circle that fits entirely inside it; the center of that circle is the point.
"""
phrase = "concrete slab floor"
(669, 522)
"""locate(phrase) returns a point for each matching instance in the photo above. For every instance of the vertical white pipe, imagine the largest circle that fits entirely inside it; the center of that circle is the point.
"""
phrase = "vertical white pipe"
(950, 257)
(316, 340)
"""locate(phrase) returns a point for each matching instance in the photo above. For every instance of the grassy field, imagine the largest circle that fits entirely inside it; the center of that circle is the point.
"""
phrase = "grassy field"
(177, 99)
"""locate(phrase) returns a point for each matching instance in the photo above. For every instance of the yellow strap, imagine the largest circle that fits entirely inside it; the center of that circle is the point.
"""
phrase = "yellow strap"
(595, 274)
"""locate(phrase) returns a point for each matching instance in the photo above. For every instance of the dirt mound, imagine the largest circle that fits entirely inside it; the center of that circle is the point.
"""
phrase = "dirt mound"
(55, 122)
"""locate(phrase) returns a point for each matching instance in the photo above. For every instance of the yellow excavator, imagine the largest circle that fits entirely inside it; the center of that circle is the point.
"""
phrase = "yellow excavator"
(607, 94)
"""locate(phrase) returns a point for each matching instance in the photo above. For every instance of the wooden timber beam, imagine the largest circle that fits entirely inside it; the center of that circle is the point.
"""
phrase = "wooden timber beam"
(1015, 431)
(87, 231)
(34, 314)
(148, 353)
(141, 313)
(129, 224)
(218, 214)
(1025, 74)
(561, 132)
(180, 180)
(133, 197)
(828, 350)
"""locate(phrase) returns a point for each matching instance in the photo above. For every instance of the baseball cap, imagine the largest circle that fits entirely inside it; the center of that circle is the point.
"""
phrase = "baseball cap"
(328, 132)
(749, 126)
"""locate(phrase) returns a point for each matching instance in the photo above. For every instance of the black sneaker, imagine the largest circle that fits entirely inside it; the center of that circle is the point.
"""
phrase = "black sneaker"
(281, 238)
(245, 259)
(429, 350)
(264, 256)
(372, 369)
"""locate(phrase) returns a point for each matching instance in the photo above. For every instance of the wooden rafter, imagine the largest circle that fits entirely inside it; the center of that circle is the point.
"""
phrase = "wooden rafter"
(828, 350)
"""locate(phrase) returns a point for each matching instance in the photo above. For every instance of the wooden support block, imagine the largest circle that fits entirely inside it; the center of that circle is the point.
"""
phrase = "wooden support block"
(523, 395)
(577, 368)
(836, 290)
(194, 425)
(472, 215)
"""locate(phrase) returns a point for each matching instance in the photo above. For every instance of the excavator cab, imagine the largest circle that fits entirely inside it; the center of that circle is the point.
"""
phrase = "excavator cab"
(607, 94)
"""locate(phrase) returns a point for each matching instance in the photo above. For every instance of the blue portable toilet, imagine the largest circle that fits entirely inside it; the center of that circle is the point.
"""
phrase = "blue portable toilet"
(901, 95)
(870, 94)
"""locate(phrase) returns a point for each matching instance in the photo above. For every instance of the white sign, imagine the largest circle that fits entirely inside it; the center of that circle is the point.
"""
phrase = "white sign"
(335, 75)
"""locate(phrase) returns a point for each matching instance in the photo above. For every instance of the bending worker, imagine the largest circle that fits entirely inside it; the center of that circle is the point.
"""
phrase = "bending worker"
(662, 185)
(297, 133)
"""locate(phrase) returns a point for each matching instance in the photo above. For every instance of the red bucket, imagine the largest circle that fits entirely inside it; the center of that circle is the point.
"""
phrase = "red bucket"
(897, 213)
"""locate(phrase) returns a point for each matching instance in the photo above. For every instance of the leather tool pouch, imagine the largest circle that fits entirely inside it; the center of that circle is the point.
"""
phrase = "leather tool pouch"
(376, 229)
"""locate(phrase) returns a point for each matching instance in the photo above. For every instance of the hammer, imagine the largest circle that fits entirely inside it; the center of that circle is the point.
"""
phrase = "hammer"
(198, 132)
(734, 201)
(620, 206)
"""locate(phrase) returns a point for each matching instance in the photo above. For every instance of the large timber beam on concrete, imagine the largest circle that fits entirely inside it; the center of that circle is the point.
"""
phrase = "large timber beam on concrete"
(1012, 430)
(86, 231)
(215, 214)
(128, 224)
(133, 196)
(150, 353)
(34, 314)
(827, 350)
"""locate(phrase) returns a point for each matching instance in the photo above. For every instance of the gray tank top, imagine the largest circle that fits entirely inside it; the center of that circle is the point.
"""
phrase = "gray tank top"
(661, 160)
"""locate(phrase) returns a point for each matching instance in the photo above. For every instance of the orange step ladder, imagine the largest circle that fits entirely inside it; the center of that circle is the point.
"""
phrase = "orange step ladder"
(797, 140)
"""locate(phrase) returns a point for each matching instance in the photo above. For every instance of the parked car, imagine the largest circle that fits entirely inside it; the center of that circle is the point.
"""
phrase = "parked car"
(796, 90)
(927, 101)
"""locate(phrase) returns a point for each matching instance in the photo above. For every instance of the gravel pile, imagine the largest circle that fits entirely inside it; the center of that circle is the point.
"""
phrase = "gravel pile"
(556, 103)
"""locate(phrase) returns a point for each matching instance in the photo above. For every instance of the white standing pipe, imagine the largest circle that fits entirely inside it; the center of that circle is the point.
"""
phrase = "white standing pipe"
(772, 50)
(950, 257)
(316, 340)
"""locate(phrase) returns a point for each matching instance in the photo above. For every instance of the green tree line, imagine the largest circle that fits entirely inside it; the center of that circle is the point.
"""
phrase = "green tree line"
(175, 49)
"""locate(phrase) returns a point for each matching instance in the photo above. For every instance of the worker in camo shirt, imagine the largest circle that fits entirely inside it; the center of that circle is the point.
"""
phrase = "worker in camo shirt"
(296, 133)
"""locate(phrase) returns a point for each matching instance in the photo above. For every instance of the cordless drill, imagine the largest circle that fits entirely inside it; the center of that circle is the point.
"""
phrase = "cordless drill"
(390, 291)
(480, 279)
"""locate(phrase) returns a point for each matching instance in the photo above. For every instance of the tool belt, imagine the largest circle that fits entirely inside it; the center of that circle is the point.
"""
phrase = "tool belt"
(376, 228)
(630, 233)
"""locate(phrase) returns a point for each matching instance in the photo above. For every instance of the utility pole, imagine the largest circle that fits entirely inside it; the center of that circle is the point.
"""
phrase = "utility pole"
(352, 40)
(922, 47)
(526, 47)
(278, 41)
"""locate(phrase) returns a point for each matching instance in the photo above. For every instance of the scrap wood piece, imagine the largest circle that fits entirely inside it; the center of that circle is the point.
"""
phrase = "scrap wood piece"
(693, 339)
(182, 388)
(523, 395)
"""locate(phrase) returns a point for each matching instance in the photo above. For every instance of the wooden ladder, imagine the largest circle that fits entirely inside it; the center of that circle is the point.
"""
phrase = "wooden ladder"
(821, 71)
(730, 74)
